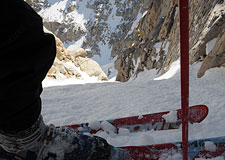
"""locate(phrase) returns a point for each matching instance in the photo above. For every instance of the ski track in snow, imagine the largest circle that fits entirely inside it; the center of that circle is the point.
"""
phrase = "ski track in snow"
(100, 101)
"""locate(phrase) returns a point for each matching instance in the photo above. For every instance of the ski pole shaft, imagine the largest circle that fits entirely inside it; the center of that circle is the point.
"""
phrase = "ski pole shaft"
(184, 49)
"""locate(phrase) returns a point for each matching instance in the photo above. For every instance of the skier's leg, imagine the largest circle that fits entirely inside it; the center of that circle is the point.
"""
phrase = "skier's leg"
(43, 142)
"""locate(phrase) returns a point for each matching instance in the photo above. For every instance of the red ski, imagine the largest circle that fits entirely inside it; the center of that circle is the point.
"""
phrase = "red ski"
(154, 121)
(202, 148)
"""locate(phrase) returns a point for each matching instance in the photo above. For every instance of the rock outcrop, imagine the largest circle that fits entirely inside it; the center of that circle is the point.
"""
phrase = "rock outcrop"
(216, 57)
(67, 62)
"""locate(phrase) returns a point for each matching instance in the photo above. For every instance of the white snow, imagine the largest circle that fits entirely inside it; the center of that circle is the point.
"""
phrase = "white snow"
(109, 70)
(124, 132)
(113, 20)
(140, 117)
(171, 116)
(210, 45)
(90, 102)
(108, 127)
(75, 44)
(95, 125)
(158, 46)
(174, 156)
(139, 16)
(54, 12)
(105, 54)
(167, 44)
(174, 68)
(132, 72)
(210, 146)
(217, 158)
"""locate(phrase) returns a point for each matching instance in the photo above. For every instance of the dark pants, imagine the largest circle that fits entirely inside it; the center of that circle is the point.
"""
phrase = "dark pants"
(26, 55)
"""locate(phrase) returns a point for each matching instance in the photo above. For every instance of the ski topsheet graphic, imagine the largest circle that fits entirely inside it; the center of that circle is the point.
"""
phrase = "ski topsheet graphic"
(155, 121)
(202, 148)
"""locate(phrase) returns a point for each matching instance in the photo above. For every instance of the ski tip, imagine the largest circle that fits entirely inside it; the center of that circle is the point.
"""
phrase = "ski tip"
(198, 113)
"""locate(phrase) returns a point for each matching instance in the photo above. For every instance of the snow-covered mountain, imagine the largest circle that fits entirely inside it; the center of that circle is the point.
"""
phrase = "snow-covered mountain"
(140, 34)
(94, 25)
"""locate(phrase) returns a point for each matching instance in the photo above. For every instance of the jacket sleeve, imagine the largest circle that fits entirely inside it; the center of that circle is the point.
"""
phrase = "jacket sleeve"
(26, 55)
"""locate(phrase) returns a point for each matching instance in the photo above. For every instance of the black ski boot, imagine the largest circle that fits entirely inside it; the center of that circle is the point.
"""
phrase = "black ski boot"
(41, 142)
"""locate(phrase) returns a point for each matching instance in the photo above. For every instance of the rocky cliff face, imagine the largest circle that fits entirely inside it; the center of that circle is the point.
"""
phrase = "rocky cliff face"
(155, 40)
(142, 34)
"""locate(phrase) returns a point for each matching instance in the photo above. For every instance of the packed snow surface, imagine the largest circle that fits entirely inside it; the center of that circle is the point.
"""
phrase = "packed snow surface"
(90, 102)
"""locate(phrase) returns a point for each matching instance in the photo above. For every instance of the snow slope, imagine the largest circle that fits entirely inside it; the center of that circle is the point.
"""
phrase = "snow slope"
(89, 102)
